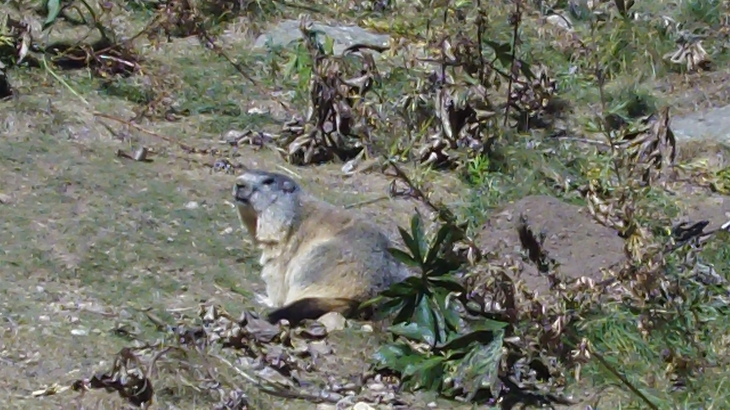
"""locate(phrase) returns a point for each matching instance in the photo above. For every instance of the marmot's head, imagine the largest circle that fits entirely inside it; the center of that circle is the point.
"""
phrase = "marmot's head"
(268, 203)
(259, 190)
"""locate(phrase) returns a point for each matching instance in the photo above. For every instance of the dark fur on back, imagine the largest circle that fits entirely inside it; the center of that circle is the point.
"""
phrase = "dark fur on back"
(314, 308)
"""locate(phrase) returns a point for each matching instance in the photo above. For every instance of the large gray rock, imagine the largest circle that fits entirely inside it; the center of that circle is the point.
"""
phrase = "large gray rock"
(711, 124)
(344, 36)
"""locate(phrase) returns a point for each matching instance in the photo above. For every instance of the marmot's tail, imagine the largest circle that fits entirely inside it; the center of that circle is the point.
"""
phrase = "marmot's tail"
(313, 308)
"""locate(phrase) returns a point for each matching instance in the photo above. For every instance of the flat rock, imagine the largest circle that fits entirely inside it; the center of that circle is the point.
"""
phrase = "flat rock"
(332, 321)
(287, 31)
(709, 124)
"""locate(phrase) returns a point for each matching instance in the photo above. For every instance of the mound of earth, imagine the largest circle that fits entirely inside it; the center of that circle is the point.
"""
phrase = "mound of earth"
(713, 208)
(572, 238)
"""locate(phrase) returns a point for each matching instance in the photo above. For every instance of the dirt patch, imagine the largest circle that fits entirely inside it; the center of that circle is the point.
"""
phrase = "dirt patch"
(574, 239)
(580, 245)
(713, 208)
(695, 92)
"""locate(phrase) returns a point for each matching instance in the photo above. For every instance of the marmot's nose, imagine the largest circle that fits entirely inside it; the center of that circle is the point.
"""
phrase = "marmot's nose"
(240, 188)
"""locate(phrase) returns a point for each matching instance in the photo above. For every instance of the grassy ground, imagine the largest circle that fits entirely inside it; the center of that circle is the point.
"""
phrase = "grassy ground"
(92, 241)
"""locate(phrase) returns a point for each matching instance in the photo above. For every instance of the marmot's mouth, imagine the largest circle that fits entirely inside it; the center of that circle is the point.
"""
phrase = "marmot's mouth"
(240, 197)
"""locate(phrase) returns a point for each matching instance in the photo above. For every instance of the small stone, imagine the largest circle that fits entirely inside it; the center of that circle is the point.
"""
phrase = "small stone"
(377, 387)
(432, 405)
(560, 21)
(257, 110)
(388, 397)
(227, 231)
(79, 332)
(366, 328)
(233, 136)
(192, 205)
(326, 406)
(362, 406)
(332, 321)
(5, 198)
(287, 31)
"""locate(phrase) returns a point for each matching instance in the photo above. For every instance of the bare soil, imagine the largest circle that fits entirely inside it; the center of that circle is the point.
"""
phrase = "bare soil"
(573, 238)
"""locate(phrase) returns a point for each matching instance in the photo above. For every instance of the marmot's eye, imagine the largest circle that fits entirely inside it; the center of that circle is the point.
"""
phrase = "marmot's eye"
(269, 181)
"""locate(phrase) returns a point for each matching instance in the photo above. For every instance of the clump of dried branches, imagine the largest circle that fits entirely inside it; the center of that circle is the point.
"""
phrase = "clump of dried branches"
(332, 125)
(454, 105)
(227, 357)
(105, 56)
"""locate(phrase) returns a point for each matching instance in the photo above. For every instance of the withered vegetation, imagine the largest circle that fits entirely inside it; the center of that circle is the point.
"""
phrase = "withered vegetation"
(457, 91)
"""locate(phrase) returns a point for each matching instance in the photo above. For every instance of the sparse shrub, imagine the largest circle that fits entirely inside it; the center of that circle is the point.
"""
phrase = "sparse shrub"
(628, 104)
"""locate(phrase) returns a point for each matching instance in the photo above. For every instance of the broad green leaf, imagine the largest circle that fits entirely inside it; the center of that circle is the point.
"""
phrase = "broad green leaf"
(410, 286)
(412, 331)
(290, 67)
(405, 315)
(329, 45)
(410, 244)
(396, 357)
(499, 48)
(387, 305)
(403, 257)
(374, 301)
(489, 324)
(447, 282)
(388, 308)
(54, 8)
(449, 313)
(425, 374)
(502, 51)
(483, 335)
(435, 302)
(443, 233)
(424, 317)
(479, 369)
(419, 237)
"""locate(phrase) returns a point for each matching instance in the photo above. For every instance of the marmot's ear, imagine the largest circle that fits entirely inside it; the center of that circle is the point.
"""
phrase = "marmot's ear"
(289, 187)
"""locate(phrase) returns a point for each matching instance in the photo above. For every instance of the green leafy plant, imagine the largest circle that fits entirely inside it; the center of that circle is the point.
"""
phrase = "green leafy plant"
(54, 9)
(478, 170)
(436, 345)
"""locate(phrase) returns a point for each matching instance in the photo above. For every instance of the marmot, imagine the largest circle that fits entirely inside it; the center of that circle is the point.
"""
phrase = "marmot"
(316, 257)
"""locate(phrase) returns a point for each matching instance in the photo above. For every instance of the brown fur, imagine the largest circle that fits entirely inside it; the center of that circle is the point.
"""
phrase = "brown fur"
(315, 257)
